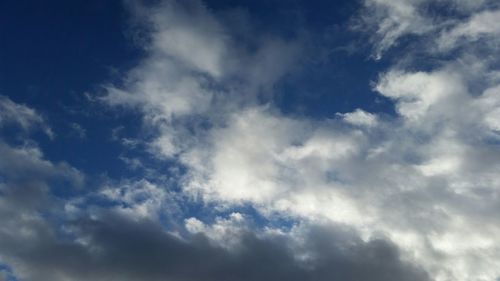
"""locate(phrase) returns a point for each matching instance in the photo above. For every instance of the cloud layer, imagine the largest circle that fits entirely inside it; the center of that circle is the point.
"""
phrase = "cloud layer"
(426, 177)
(361, 195)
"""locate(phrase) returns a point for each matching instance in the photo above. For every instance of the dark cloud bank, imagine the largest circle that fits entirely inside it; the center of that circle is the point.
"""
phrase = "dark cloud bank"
(115, 248)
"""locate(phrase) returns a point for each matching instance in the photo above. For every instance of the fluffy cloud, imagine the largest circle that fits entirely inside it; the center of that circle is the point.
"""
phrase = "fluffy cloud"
(195, 71)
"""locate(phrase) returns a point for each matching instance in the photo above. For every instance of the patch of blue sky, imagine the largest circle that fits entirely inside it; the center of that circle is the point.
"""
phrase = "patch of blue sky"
(6, 273)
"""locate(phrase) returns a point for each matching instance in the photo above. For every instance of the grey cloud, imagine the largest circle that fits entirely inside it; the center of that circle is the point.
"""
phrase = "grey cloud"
(116, 248)
(25, 163)
(21, 115)
(4, 275)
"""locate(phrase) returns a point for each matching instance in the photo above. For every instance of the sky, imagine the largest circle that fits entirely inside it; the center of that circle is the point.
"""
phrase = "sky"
(250, 140)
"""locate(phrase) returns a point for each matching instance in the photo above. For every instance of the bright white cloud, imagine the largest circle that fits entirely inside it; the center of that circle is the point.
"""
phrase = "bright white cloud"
(423, 95)
(360, 117)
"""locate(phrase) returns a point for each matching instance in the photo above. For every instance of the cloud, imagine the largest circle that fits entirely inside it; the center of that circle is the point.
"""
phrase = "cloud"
(27, 183)
(359, 117)
(195, 72)
(425, 179)
(41, 239)
(20, 164)
(78, 130)
(114, 247)
(176, 32)
(21, 115)
(403, 180)
(387, 23)
(418, 94)
(478, 26)
(211, 115)
(139, 199)
(392, 20)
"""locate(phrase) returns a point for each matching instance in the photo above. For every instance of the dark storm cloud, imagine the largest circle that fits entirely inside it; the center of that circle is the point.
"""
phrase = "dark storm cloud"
(116, 248)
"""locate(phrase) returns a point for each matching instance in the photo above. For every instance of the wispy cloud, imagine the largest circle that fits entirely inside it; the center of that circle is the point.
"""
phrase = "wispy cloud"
(21, 115)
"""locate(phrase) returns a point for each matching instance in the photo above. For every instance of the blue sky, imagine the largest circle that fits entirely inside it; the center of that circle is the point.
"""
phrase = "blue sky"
(249, 140)
(61, 51)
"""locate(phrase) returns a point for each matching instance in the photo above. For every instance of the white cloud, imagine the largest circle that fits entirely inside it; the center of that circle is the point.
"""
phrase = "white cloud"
(195, 73)
(278, 164)
(224, 232)
(478, 26)
(387, 22)
(421, 95)
(193, 62)
(138, 200)
(392, 20)
(424, 178)
(360, 117)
